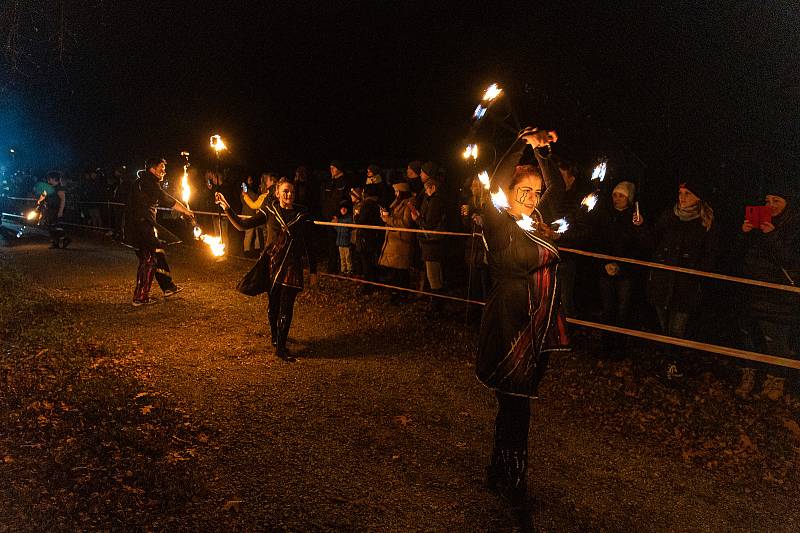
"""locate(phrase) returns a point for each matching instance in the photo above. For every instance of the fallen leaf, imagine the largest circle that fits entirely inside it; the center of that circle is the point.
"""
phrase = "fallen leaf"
(403, 420)
(792, 426)
(140, 395)
(202, 437)
(7, 459)
(232, 505)
(146, 409)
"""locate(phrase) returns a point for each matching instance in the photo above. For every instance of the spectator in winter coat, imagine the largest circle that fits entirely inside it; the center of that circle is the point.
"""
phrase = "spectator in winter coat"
(333, 191)
(368, 242)
(253, 237)
(772, 254)
(414, 179)
(685, 236)
(398, 248)
(343, 237)
(431, 216)
(615, 231)
(474, 250)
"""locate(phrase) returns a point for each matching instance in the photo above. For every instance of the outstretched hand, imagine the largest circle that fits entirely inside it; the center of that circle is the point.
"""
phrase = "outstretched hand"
(220, 200)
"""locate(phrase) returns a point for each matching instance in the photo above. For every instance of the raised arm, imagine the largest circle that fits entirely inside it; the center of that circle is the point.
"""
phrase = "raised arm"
(554, 188)
(238, 222)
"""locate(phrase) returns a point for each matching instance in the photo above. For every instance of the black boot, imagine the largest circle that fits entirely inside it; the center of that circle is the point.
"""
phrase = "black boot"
(507, 475)
(280, 348)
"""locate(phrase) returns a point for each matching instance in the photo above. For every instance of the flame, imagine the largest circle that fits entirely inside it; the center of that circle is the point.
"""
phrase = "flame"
(492, 92)
(499, 199)
(599, 172)
(483, 177)
(562, 224)
(186, 191)
(479, 112)
(589, 201)
(217, 143)
(526, 223)
(471, 151)
(32, 215)
(215, 243)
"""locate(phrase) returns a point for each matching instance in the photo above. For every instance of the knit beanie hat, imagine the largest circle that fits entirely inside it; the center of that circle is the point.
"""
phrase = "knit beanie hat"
(627, 188)
(356, 195)
(375, 169)
(338, 164)
(699, 188)
(431, 169)
(416, 166)
(780, 187)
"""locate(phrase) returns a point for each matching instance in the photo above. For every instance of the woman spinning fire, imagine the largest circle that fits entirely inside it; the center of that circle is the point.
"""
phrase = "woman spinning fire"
(279, 270)
(522, 321)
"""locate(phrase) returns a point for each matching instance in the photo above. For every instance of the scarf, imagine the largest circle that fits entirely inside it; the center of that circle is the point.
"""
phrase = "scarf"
(690, 213)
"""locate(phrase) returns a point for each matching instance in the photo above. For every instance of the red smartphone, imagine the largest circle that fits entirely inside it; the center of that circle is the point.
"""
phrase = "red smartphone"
(757, 215)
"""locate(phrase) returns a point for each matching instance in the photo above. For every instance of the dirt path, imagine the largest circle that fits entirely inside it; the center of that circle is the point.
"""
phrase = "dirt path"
(381, 424)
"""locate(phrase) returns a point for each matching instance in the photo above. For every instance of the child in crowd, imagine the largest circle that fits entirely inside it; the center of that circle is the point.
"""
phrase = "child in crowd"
(343, 237)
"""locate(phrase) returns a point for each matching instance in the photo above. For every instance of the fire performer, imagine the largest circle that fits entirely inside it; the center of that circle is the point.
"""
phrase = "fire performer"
(279, 270)
(146, 236)
(522, 321)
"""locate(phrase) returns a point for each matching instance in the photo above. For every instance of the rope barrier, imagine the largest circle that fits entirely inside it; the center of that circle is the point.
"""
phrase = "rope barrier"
(390, 228)
(650, 264)
(702, 273)
(695, 345)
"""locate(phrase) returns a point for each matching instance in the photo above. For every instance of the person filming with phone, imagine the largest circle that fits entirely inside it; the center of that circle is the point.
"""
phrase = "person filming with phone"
(772, 318)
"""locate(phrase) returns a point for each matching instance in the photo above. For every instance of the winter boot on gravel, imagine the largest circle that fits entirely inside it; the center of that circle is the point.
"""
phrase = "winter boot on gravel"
(772, 389)
(747, 383)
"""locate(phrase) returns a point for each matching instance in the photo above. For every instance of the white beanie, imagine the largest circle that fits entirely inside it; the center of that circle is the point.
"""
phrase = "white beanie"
(627, 188)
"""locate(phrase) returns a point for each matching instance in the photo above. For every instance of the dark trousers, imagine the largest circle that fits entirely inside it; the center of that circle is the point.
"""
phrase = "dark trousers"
(615, 293)
(152, 263)
(280, 311)
(57, 232)
(509, 464)
(770, 338)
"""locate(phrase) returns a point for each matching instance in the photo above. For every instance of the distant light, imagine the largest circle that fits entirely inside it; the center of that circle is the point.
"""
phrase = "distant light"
(479, 112)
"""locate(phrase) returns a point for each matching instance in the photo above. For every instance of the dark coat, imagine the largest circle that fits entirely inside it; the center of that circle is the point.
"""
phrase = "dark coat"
(522, 321)
(613, 233)
(432, 217)
(332, 193)
(683, 244)
(286, 244)
(774, 257)
(368, 241)
(141, 229)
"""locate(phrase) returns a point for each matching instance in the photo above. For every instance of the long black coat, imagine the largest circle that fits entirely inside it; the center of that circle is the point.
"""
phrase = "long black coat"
(432, 217)
(522, 321)
(774, 257)
(683, 244)
(287, 241)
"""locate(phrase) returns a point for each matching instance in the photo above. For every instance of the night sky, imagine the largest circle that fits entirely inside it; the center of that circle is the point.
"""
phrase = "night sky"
(712, 84)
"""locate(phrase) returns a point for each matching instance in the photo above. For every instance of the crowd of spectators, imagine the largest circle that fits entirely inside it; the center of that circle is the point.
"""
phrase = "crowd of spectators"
(421, 196)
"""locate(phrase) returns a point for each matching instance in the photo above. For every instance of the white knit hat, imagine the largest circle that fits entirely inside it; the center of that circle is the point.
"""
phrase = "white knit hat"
(627, 188)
